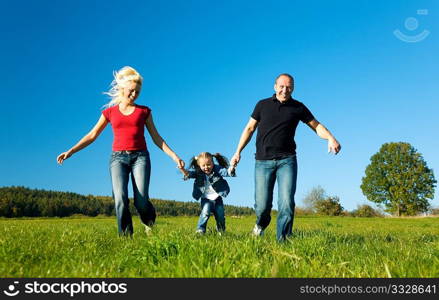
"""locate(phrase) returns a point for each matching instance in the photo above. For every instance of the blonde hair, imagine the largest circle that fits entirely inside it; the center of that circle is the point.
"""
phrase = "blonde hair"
(222, 161)
(121, 78)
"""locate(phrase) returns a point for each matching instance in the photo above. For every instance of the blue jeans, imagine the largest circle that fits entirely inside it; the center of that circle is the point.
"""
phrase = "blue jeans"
(266, 173)
(217, 208)
(138, 165)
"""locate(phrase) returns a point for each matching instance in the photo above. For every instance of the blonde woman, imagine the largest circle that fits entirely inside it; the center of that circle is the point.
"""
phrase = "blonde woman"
(130, 154)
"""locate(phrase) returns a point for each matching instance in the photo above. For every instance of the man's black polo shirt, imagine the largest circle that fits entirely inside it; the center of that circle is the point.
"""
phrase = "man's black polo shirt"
(277, 126)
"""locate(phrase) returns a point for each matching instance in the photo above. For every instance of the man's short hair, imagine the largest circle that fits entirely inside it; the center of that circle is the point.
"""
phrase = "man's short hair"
(287, 75)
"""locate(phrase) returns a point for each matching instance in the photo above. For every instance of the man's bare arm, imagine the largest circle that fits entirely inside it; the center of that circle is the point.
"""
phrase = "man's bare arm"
(333, 145)
(246, 136)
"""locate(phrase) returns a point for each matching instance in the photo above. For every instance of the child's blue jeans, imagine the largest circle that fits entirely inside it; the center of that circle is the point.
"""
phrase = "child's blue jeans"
(217, 208)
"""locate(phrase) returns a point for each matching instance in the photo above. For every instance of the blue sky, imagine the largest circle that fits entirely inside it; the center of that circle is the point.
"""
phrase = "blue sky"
(205, 64)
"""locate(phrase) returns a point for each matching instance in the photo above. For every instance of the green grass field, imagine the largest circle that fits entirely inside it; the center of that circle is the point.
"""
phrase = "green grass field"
(321, 247)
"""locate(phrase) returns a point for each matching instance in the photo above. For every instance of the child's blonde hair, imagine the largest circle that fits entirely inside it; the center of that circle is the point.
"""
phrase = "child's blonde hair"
(121, 78)
(222, 161)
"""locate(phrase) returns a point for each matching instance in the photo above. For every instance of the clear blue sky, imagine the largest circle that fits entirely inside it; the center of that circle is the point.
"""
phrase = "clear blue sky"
(205, 65)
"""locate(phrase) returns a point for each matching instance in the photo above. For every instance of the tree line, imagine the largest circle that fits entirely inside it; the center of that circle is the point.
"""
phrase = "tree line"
(398, 180)
(24, 202)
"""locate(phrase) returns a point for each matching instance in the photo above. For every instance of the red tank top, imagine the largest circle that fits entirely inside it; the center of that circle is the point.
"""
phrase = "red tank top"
(128, 130)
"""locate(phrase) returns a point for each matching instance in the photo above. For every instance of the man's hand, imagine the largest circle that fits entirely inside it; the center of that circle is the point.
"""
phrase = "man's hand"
(333, 146)
(235, 160)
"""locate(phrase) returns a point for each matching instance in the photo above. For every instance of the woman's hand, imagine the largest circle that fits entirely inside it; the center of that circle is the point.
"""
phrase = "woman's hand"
(63, 156)
(85, 141)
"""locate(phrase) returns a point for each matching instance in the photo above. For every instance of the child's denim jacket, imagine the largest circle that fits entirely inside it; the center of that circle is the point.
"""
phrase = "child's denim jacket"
(219, 184)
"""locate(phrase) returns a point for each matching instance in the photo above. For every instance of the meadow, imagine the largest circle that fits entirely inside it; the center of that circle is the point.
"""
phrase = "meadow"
(321, 247)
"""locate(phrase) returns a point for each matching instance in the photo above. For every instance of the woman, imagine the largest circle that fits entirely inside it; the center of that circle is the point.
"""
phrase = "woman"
(130, 154)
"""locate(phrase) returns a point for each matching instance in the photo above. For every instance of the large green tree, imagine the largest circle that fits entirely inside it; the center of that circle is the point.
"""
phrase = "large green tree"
(398, 179)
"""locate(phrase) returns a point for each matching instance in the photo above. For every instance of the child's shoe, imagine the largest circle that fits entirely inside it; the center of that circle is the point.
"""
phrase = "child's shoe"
(257, 230)
(148, 227)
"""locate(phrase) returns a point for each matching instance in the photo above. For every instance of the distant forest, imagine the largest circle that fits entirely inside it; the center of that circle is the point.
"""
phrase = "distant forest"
(25, 202)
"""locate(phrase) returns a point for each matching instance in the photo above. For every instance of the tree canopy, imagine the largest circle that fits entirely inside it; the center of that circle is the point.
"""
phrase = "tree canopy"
(398, 179)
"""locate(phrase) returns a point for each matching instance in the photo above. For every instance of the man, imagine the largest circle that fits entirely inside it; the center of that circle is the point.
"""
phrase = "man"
(277, 118)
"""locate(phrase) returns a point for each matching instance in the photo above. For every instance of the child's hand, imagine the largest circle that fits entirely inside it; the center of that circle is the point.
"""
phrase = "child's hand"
(185, 173)
(231, 170)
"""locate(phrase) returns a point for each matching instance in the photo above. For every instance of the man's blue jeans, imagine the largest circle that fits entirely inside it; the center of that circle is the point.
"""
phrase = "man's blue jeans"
(217, 208)
(266, 173)
(137, 164)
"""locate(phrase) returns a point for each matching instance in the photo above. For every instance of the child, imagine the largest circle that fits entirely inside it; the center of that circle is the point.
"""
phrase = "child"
(210, 186)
